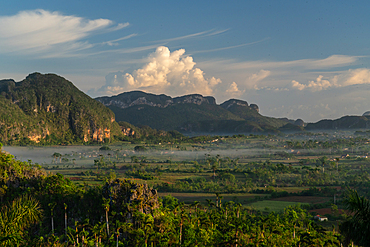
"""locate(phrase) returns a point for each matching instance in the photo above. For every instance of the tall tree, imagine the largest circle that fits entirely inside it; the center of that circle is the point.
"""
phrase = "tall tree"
(357, 226)
(106, 208)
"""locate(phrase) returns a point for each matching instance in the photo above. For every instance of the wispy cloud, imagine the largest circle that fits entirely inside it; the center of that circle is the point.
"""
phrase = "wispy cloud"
(231, 47)
(199, 34)
(333, 61)
(125, 50)
(118, 27)
(38, 32)
(114, 42)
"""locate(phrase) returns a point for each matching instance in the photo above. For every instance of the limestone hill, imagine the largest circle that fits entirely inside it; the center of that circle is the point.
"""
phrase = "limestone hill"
(191, 114)
(50, 109)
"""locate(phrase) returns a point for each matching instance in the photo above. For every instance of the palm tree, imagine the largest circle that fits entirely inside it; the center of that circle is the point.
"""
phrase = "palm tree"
(119, 225)
(65, 217)
(337, 159)
(52, 206)
(97, 230)
(106, 208)
(16, 217)
(56, 156)
(183, 216)
(76, 226)
(357, 226)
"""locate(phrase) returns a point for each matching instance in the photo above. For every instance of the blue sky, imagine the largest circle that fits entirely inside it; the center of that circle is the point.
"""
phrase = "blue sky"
(295, 59)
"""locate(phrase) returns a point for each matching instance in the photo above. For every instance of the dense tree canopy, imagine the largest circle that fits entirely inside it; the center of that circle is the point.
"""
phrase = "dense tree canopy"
(48, 210)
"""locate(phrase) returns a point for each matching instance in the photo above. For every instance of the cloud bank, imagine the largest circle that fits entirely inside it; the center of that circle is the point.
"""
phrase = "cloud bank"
(49, 33)
(344, 79)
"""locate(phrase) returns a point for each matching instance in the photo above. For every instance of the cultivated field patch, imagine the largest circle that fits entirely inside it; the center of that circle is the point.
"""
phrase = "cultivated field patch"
(275, 206)
(303, 199)
(202, 197)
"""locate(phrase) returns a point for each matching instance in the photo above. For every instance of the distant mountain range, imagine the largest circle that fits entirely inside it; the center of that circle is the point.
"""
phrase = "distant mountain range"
(346, 122)
(193, 114)
(49, 109)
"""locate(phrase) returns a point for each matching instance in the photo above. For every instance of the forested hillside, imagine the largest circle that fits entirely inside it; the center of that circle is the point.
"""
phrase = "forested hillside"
(192, 114)
(49, 109)
(346, 122)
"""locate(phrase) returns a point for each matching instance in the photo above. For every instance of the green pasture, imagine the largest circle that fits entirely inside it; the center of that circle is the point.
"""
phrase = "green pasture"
(273, 206)
(242, 198)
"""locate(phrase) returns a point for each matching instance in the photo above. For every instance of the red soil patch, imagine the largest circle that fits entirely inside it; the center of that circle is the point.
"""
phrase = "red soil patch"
(303, 199)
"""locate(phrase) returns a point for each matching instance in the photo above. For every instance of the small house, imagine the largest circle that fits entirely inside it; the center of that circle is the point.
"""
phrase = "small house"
(320, 218)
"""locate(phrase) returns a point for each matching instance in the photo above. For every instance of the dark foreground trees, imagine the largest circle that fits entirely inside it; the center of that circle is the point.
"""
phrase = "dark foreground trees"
(357, 226)
(136, 217)
(16, 217)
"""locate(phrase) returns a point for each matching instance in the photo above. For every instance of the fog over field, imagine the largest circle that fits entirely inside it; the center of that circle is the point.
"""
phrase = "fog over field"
(159, 153)
(44, 154)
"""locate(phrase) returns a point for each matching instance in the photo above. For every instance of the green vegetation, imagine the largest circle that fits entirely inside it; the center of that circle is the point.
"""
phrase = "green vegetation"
(276, 184)
(346, 122)
(122, 213)
(192, 113)
(273, 206)
(48, 109)
(238, 190)
(356, 226)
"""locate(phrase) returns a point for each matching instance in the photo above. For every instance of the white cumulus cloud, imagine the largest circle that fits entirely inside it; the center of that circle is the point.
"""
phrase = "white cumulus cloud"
(165, 72)
(342, 79)
(233, 90)
(37, 31)
(317, 85)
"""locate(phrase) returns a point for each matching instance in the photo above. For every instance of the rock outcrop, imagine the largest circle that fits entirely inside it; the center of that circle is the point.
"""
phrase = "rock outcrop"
(134, 98)
(232, 102)
(255, 107)
(190, 113)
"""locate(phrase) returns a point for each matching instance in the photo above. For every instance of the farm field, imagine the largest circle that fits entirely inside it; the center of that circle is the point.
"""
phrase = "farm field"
(273, 206)
(303, 199)
(202, 197)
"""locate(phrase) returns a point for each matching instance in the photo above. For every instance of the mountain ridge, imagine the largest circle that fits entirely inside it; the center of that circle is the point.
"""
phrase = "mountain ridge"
(48, 109)
(191, 113)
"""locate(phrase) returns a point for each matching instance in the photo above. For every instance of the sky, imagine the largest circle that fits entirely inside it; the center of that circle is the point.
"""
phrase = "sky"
(297, 59)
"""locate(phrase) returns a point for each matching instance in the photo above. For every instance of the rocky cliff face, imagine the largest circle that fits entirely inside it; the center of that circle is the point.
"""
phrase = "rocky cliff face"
(190, 113)
(135, 98)
(195, 99)
(48, 108)
(255, 107)
(232, 102)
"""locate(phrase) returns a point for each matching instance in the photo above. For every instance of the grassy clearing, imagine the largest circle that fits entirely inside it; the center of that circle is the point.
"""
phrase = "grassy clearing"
(293, 189)
(304, 199)
(202, 197)
(273, 206)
